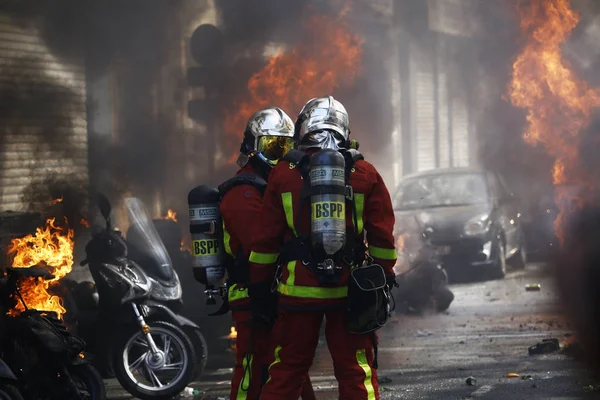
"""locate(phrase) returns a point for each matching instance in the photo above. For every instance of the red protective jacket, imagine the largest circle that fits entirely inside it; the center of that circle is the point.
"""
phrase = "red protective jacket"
(298, 286)
(240, 210)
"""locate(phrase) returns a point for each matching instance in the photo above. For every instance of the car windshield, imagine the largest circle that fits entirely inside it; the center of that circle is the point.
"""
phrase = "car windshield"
(442, 190)
(144, 243)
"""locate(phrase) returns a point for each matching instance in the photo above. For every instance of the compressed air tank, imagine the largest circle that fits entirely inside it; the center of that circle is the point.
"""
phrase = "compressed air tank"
(328, 202)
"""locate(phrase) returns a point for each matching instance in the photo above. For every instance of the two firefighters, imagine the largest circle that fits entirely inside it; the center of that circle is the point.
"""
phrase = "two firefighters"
(296, 252)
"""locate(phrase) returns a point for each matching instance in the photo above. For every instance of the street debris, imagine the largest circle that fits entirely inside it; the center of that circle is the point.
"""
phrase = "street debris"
(382, 380)
(423, 333)
(572, 347)
(533, 287)
(189, 392)
(544, 347)
(527, 377)
(512, 375)
(471, 381)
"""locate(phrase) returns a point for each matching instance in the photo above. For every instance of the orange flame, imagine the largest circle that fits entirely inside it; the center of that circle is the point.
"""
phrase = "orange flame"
(232, 338)
(56, 201)
(330, 56)
(559, 104)
(50, 247)
(84, 222)
(171, 215)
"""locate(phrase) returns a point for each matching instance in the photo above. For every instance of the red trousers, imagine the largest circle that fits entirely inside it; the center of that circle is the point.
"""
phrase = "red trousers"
(250, 372)
(295, 338)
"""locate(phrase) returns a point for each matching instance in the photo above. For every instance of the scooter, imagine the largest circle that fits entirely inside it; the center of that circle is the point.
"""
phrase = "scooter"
(156, 353)
(50, 362)
(425, 284)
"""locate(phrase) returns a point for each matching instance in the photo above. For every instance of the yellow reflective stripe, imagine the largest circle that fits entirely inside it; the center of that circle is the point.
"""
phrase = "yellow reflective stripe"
(291, 267)
(263, 258)
(313, 292)
(227, 241)
(384, 254)
(277, 361)
(361, 357)
(237, 293)
(242, 394)
(359, 204)
(288, 207)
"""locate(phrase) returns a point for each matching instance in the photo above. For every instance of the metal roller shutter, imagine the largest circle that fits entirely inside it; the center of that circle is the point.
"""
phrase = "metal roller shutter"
(444, 132)
(42, 114)
(460, 133)
(423, 110)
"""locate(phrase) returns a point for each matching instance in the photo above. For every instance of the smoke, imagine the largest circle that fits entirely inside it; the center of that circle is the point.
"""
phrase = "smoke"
(500, 126)
(62, 197)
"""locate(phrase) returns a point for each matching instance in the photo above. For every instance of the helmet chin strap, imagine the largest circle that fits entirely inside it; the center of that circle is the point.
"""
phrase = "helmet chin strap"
(261, 165)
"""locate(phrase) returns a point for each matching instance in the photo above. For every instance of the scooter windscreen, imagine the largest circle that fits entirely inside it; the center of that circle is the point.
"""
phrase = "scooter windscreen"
(144, 243)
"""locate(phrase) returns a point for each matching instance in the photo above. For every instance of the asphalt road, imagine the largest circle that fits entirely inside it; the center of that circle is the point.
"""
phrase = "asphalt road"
(484, 335)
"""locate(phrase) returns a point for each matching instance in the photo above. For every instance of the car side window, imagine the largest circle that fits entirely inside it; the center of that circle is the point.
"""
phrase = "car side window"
(494, 187)
(498, 187)
(506, 192)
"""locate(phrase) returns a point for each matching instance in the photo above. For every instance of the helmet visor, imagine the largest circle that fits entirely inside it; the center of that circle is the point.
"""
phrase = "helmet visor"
(274, 147)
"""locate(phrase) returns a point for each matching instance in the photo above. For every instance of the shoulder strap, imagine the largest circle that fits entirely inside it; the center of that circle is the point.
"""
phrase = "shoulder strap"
(245, 178)
(299, 158)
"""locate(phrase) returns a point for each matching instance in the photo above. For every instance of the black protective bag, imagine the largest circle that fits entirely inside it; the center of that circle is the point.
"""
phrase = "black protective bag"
(368, 299)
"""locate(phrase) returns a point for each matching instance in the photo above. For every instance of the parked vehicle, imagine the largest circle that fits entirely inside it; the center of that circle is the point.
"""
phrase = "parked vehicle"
(8, 383)
(49, 362)
(473, 218)
(153, 354)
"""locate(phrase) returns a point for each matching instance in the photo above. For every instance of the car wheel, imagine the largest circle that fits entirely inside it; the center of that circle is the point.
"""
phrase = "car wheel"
(499, 267)
(519, 260)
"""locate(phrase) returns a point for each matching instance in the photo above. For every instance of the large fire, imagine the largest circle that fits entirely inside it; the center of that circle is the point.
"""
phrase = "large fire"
(328, 56)
(51, 247)
(559, 104)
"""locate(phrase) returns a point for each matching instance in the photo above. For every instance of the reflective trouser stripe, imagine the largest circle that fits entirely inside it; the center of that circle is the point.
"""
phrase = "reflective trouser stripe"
(359, 204)
(361, 357)
(236, 293)
(227, 241)
(384, 254)
(313, 292)
(291, 267)
(242, 393)
(263, 258)
(288, 207)
(277, 361)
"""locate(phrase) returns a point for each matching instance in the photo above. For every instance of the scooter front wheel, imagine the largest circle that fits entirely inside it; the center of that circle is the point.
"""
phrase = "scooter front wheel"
(159, 375)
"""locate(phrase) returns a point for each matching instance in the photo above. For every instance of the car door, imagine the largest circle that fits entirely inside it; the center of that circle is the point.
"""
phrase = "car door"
(509, 215)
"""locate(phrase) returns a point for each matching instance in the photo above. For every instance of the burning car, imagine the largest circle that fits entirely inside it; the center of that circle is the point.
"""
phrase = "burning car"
(472, 217)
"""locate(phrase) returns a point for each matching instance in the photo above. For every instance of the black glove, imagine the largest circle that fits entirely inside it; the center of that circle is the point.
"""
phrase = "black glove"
(263, 303)
(390, 281)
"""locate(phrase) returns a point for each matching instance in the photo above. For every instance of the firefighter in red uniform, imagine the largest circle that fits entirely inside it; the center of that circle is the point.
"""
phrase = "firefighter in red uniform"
(305, 297)
(268, 136)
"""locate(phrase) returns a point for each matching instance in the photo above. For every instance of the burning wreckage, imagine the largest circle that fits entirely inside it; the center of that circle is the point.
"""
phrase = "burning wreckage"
(137, 293)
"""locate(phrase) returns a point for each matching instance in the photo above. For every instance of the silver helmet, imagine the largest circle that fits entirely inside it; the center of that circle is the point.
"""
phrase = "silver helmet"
(323, 122)
(269, 135)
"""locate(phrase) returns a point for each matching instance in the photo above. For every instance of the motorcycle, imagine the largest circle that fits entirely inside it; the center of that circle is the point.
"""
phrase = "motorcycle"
(425, 284)
(50, 362)
(156, 353)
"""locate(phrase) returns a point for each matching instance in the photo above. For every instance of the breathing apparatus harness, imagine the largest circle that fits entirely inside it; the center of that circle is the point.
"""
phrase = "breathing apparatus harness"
(327, 270)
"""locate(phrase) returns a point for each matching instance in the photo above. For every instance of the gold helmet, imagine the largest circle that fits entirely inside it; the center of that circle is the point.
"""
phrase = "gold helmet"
(268, 136)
